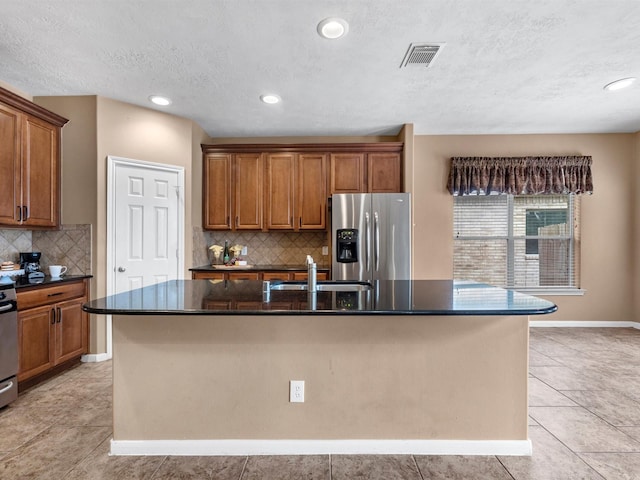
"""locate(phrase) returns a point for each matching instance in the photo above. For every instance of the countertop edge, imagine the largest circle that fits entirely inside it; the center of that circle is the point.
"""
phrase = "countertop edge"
(48, 282)
(261, 313)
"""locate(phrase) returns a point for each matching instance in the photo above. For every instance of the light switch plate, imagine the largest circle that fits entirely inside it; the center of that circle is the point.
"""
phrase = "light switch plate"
(325, 250)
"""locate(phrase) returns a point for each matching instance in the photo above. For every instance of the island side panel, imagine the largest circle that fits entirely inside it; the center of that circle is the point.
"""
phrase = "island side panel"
(367, 377)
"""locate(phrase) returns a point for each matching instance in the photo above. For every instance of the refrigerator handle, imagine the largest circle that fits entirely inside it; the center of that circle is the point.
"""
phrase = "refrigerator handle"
(376, 241)
(367, 240)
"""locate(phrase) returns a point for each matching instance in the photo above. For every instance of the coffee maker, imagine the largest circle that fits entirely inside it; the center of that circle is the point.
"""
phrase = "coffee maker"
(30, 262)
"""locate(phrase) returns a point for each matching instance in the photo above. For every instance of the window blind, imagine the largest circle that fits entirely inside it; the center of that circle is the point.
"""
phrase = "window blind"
(521, 241)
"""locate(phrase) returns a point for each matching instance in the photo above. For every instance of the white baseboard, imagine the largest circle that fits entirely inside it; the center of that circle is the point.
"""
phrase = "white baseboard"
(95, 357)
(582, 324)
(321, 447)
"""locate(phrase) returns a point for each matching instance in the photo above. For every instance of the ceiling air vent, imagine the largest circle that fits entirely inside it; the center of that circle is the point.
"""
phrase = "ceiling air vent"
(421, 55)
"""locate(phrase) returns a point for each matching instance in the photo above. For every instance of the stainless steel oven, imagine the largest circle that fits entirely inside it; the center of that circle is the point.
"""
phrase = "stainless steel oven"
(8, 345)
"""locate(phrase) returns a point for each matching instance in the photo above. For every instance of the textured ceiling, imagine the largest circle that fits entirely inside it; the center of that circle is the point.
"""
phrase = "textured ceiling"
(508, 66)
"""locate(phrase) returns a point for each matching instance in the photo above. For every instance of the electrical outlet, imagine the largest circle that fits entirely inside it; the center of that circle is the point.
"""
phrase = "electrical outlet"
(296, 391)
(244, 251)
(325, 250)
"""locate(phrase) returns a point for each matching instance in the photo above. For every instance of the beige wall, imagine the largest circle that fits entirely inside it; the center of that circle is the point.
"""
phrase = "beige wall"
(78, 156)
(79, 175)
(610, 264)
(198, 138)
(99, 127)
(138, 133)
(636, 223)
(607, 215)
(400, 377)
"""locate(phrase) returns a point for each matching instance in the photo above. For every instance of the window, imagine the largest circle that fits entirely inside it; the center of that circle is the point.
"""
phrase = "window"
(538, 219)
(522, 241)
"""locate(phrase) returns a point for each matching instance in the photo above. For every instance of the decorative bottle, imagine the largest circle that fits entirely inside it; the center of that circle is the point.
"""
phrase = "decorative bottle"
(225, 253)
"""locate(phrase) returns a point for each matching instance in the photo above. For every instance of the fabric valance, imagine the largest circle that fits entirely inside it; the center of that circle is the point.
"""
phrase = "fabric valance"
(520, 175)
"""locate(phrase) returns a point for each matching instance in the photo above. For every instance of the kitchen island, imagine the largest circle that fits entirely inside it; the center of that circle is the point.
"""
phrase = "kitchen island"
(202, 367)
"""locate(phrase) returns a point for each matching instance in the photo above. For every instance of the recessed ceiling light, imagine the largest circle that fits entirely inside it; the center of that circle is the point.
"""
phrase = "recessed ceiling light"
(620, 84)
(270, 99)
(333, 28)
(158, 100)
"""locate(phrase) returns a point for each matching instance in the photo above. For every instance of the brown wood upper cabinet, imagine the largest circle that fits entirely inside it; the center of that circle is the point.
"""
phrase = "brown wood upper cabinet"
(348, 173)
(286, 186)
(384, 173)
(233, 191)
(296, 191)
(29, 163)
(373, 172)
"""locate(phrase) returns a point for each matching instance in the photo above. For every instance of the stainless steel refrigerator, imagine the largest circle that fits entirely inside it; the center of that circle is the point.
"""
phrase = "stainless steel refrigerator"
(371, 235)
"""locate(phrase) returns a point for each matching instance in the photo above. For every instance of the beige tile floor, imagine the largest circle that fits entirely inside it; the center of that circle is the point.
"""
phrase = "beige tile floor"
(584, 424)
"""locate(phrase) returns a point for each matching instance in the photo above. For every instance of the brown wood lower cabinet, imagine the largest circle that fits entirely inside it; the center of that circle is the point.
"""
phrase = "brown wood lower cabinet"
(52, 328)
(284, 275)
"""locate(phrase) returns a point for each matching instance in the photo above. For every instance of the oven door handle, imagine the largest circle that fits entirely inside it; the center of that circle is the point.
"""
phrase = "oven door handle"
(7, 388)
(6, 308)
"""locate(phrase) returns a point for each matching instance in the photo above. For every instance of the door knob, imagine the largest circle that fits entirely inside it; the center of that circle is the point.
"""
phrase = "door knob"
(122, 269)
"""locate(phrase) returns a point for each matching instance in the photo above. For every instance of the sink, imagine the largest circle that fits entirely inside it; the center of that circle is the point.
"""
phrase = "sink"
(335, 286)
(344, 287)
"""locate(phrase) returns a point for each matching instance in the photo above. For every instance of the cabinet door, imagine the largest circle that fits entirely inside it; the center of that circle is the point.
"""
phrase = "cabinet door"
(348, 173)
(280, 191)
(36, 341)
(216, 192)
(384, 173)
(311, 204)
(71, 330)
(10, 196)
(248, 198)
(40, 173)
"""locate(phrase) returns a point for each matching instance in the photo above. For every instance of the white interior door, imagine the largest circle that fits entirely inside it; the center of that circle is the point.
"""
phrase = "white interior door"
(145, 226)
(146, 233)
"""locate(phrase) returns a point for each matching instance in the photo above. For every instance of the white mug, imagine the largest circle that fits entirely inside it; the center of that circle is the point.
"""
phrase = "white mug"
(57, 270)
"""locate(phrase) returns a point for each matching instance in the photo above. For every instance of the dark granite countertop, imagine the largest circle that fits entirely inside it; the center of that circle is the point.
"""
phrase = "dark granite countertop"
(266, 268)
(23, 282)
(245, 297)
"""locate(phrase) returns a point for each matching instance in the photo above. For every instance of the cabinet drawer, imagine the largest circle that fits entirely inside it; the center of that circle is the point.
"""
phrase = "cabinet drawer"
(207, 275)
(277, 276)
(50, 294)
(244, 275)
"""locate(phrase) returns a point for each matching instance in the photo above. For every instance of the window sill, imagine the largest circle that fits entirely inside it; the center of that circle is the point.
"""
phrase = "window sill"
(553, 291)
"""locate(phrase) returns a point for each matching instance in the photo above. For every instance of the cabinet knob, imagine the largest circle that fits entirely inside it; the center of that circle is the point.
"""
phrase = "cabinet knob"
(122, 269)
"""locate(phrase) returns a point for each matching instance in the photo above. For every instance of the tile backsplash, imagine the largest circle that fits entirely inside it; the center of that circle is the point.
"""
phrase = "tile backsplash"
(263, 248)
(70, 246)
(12, 242)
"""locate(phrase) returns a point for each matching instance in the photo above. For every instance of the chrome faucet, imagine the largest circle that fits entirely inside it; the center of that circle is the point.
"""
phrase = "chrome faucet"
(312, 275)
